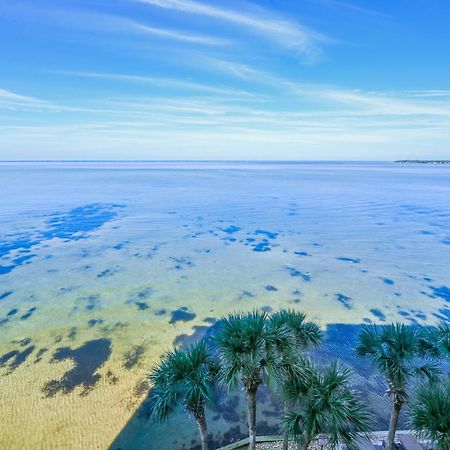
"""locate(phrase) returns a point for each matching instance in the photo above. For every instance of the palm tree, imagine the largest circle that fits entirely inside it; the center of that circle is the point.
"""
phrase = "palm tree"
(436, 340)
(397, 351)
(305, 334)
(431, 413)
(248, 351)
(324, 403)
(184, 377)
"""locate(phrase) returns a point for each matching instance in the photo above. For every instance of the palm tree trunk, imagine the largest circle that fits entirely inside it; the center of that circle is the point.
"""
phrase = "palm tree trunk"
(304, 442)
(251, 405)
(393, 425)
(286, 434)
(201, 422)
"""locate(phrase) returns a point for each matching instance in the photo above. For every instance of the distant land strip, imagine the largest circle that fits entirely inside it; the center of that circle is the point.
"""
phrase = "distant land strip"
(424, 161)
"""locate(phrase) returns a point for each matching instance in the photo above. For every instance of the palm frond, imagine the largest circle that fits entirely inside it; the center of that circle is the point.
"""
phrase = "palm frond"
(431, 413)
(183, 377)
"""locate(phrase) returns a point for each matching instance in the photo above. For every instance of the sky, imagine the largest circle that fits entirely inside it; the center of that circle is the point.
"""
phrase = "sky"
(224, 80)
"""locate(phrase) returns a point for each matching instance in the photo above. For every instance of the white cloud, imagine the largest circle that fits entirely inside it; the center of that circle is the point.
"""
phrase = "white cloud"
(168, 82)
(12, 101)
(284, 32)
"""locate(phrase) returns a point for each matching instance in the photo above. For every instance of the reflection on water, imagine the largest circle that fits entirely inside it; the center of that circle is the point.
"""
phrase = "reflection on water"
(104, 266)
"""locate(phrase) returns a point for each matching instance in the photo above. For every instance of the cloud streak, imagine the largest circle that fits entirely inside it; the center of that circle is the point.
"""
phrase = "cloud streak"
(284, 32)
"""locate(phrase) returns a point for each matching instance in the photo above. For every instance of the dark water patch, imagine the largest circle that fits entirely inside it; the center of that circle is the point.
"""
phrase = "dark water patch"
(427, 232)
(267, 309)
(441, 292)
(78, 222)
(139, 296)
(231, 229)
(18, 242)
(404, 313)
(181, 263)
(23, 342)
(91, 302)
(262, 247)
(200, 332)
(246, 294)
(347, 259)
(117, 326)
(112, 379)
(182, 315)
(141, 388)
(23, 259)
(73, 225)
(39, 354)
(133, 356)
(270, 288)
(268, 234)
(93, 322)
(378, 314)
(12, 312)
(13, 359)
(72, 333)
(387, 281)
(87, 360)
(427, 279)
(344, 300)
(66, 289)
(5, 294)
(142, 306)
(293, 272)
(6, 269)
(121, 245)
(108, 272)
(211, 320)
(29, 313)
(227, 408)
(228, 239)
(446, 241)
(302, 254)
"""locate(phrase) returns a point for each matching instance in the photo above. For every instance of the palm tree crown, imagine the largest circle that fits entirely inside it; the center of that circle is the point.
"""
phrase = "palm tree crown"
(248, 349)
(397, 351)
(184, 378)
(324, 403)
(304, 333)
(431, 413)
(436, 340)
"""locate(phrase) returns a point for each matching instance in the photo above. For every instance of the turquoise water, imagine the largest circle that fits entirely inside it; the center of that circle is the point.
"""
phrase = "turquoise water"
(103, 266)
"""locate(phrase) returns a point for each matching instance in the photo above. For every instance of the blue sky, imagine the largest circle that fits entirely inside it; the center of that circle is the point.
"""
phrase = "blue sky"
(188, 79)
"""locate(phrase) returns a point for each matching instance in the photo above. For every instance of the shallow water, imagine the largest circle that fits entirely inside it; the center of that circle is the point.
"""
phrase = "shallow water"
(103, 266)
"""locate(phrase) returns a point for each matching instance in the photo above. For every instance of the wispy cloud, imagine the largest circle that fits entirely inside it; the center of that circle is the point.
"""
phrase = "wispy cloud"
(386, 103)
(156, 81)
(282, 31)
(105, 23)
(12, 101)
(347, 6)
(176, 35)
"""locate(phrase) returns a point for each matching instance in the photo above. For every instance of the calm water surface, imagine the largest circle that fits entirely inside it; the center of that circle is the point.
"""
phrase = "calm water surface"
(104, 266)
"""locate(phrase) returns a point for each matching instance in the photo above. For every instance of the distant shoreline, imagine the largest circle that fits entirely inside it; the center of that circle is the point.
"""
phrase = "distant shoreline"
(423, 161)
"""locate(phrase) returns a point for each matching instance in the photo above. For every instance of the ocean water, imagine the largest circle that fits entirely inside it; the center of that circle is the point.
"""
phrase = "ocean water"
(105, 266)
